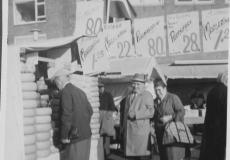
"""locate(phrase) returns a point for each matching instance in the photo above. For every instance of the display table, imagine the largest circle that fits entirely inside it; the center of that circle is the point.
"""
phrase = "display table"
(194, 120)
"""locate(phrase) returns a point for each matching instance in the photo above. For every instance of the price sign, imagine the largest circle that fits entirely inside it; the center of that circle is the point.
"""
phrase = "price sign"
(89, 18)
(94, 57)
(183, 33)
(149, 34)
(118, 40)
(215, 29)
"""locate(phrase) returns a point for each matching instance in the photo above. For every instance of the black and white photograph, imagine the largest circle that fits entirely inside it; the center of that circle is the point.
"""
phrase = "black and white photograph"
(114, 80)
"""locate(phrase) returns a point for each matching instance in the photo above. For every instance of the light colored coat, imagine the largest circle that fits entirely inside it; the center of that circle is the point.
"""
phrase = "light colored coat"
(138, 130)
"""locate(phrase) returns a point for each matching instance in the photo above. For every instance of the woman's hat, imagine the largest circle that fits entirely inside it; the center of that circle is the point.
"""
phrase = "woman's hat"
(139, 78)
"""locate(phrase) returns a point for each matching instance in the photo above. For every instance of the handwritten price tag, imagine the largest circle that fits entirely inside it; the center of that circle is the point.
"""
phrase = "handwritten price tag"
(118, 40)
(94, 57)
(89, 18)
(149, 35)
(183, 33)
(215, 28)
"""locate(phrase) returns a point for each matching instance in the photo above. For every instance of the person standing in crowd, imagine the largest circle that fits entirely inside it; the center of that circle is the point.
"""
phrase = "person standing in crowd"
(168, 107)
(197, 100)
(107, 107)
(76, 113)
(213, 145)
(139, 109)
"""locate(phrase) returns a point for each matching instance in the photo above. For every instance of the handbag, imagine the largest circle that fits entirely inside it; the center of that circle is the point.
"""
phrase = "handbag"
(107, 123)
(177, 133)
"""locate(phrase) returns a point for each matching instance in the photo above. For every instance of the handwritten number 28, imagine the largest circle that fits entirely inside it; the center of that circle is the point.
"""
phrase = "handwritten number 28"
(192, 39)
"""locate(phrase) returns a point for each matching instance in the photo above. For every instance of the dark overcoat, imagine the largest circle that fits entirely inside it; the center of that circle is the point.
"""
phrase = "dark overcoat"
(214, 136)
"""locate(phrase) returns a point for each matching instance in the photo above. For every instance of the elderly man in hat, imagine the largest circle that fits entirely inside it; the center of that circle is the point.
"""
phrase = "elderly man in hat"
(139, 109)
(107, 107)
(76, 113)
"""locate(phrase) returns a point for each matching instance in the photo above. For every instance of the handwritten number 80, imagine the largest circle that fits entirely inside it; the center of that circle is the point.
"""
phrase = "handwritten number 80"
(93, 27)
(156, 47)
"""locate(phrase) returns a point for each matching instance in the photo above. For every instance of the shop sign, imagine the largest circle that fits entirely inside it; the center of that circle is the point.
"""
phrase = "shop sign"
(118, 40)
(93, 55)
(183, 33)
(149, 35)
(89, 18)
(215, 30)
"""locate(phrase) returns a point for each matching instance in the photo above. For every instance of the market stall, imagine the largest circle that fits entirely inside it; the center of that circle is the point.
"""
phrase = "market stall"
(33, 104)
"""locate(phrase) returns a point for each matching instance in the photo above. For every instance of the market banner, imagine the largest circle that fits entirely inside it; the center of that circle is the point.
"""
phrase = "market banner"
(215, 30)
(149, 35)
(118, 40)
(89, 17)
(183, 33)
(93, 55)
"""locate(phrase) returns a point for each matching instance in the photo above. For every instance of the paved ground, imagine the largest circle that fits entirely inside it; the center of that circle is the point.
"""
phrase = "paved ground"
(117, 155)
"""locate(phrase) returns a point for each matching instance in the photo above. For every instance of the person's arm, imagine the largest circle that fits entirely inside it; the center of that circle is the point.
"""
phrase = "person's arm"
(66, 116)
(146, 110)
(178, 107)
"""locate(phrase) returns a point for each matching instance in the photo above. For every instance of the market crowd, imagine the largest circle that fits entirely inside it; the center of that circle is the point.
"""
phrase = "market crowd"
(148, 124)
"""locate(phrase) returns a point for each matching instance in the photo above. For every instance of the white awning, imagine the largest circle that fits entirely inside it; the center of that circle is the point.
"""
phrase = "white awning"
(193, 71)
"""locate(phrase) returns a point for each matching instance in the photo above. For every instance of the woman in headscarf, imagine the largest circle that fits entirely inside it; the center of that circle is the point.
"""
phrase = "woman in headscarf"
(214, 136)
(168, 107)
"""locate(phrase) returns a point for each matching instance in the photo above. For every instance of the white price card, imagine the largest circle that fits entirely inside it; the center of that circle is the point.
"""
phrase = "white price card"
(118, 40)
(89, 17)
(183, 33)
(93, 55)
(149, 35)
(215, 30)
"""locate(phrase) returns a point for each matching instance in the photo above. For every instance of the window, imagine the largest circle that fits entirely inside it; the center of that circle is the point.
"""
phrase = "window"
(193, 2)
(146, 2)
(29, 11)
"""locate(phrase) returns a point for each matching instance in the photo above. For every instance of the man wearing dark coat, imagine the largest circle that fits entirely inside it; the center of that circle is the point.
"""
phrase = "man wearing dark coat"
(76, 113)
(107, 107)
(214, 137)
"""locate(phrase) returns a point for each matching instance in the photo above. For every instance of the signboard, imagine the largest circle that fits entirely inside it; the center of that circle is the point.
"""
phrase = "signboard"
(149, 35)
(215, 30)
(118, 40)
(89, 17)
(93, 55)
(183, 33)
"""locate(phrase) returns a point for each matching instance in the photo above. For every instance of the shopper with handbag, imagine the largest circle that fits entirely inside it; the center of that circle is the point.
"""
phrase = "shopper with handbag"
(168, 107)
(107, 108)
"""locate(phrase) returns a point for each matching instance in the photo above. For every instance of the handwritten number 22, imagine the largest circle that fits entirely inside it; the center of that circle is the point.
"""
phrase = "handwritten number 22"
(124, 49)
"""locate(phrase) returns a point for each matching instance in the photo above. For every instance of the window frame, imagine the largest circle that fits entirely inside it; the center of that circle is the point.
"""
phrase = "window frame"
(193, 2)
(36, 3)
(17, 38)
(140, 4)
